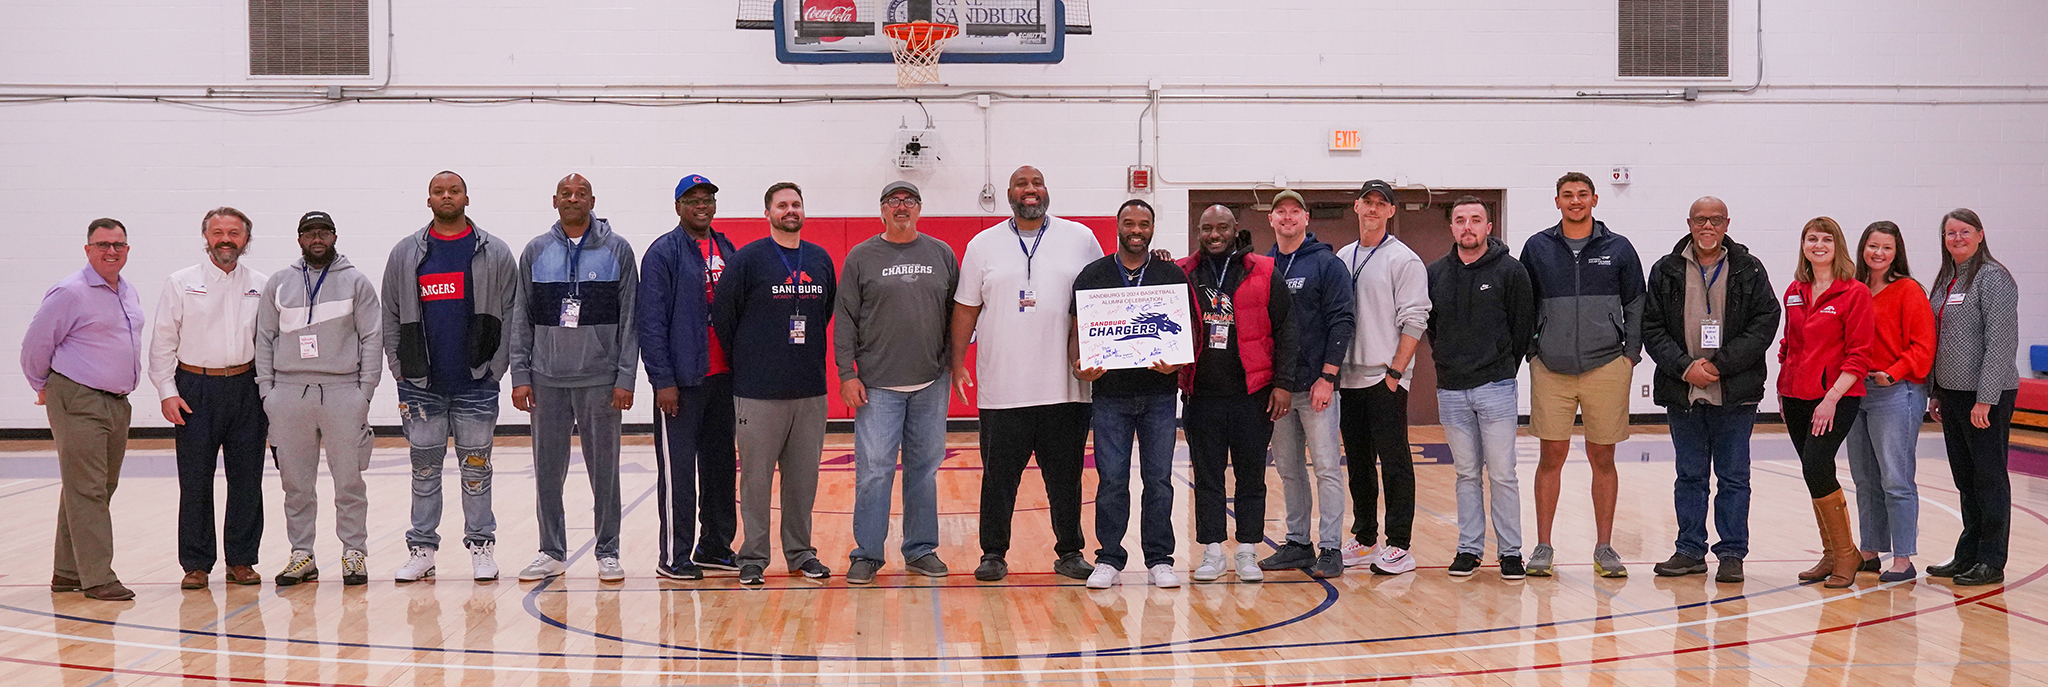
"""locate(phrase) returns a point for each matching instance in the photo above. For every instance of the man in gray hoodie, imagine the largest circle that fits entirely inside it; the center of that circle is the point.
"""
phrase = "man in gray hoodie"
(574, 355)
(317, 362)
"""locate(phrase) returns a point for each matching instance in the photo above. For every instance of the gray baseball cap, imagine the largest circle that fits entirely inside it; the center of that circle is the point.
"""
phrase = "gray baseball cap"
(895, 186)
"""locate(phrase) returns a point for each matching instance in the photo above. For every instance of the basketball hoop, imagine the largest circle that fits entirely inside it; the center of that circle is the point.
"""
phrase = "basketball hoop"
(916, 47)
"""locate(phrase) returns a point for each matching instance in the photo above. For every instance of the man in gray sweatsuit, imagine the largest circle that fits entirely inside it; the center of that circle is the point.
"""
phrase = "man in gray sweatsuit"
(573, 360)
(317, 361)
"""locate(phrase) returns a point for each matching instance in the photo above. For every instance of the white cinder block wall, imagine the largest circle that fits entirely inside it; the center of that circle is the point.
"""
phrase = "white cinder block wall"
(1868, 110)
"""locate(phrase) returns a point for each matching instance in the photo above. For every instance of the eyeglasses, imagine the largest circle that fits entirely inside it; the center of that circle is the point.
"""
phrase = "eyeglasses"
(900, 202)
(318, 233)
(698, 202)
(1958, 234)
(1713, 221)
(109, 245)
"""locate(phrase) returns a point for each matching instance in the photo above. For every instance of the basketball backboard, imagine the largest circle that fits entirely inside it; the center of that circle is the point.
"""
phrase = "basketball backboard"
(850, 31)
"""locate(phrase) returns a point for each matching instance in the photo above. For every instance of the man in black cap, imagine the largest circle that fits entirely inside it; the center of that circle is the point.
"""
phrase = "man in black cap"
(317, 360)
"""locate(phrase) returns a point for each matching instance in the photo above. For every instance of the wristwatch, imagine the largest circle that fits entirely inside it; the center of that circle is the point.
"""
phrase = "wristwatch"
(1396, 374)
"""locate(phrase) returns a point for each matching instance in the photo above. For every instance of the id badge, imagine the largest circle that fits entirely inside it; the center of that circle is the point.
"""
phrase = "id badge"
(1027, 300)
(1710, 333)
(309, 346)
(1219, 336)
(1957, 298)
(572, 312)
(796, 330)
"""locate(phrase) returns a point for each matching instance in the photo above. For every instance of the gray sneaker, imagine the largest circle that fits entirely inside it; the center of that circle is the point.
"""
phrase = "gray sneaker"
(1608, 563)
(1539, 564)
(928, 565)
(862, 571)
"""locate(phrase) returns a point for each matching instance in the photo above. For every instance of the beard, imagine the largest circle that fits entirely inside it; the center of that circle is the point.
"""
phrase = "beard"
(1031, 211)
(447, 217)
(226, 252)
(325, 257)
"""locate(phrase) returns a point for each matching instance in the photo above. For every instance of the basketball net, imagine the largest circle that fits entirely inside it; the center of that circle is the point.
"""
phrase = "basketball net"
(916, 47)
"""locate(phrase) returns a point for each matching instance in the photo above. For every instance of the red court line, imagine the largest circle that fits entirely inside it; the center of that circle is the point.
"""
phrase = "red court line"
(2013, 613)
(181, 676)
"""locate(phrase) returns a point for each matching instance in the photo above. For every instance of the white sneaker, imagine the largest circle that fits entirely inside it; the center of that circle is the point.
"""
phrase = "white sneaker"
(1212, 564)
(483, 563)
(1248, 564)
(543, 566)
(1393, 560)
(419, 565)
(1358, 555)
(1104, 577)
(1163, 577)
(609, 570)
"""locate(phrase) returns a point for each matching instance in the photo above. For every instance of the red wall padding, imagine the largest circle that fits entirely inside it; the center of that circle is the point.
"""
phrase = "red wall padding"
(839, 234)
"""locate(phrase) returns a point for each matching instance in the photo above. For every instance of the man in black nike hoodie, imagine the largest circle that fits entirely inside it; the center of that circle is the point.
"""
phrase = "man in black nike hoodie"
(1474, 290)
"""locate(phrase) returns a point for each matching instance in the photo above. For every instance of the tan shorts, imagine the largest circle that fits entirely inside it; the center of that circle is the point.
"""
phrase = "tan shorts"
(1600, 394)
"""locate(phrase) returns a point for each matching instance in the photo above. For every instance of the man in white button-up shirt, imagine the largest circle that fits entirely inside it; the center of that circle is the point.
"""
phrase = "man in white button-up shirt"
(200, 359)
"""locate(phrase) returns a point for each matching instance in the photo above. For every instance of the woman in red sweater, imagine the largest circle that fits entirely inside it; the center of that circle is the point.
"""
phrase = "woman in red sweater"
(1822, 361)
(1882, 442)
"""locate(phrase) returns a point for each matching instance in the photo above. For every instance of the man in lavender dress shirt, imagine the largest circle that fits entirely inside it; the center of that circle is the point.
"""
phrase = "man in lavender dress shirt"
(83, 355)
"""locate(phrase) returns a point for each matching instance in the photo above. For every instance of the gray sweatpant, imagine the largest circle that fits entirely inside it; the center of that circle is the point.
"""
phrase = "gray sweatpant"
(588, 412)
(303, 418)
(788, 434)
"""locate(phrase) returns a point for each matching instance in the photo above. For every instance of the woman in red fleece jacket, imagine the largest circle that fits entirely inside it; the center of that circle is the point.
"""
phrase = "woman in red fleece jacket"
(1887, 428)
(1822, 361)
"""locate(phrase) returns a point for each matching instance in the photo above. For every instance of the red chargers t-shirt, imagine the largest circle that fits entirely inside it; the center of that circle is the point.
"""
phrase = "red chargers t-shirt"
(446, 286)
(714, 267)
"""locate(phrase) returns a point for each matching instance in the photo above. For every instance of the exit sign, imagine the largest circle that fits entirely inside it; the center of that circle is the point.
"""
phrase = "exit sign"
(1344, 139)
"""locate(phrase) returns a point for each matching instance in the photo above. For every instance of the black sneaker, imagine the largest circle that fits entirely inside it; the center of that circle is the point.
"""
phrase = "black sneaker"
(1511, 568)
(993, 568)
(751, 574)
(1729, 571)
(1073, 565)
(686, 572)
(1464, 564)
(1292, 555)
(815, 569)
(714, 562)
(1329, 563)
(1680, 565)
(862, 571)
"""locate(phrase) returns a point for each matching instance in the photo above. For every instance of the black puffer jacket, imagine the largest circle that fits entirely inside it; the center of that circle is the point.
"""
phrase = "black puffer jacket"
(1749, 324)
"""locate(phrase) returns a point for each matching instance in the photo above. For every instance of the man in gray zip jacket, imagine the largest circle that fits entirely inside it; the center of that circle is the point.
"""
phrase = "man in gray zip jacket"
(448, 289)
(574, 355)
(317, 362)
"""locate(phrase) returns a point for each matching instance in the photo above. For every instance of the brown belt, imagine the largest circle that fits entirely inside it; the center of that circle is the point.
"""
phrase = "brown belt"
(216, 371)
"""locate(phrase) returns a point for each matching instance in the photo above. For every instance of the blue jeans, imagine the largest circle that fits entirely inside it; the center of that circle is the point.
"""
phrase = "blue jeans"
(1882, 455)
(430, 418)
(915, 422)
(1116, 421)
(1716, 438)
(1479, 426)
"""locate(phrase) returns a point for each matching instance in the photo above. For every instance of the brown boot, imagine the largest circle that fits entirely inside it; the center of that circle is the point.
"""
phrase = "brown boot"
(1820, 570)
(1841, 543)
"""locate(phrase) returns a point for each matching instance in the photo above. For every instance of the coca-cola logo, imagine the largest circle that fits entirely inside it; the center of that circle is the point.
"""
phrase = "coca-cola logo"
(832, 11)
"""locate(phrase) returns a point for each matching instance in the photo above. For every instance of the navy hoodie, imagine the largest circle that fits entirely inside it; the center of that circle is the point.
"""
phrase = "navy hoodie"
(1323, 307)
(1589, 307)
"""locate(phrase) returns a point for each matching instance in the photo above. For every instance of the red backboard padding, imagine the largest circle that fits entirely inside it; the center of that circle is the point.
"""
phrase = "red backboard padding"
(839, 234)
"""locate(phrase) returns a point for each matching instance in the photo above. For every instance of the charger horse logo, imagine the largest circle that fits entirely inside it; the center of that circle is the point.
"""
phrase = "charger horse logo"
(1151, 324)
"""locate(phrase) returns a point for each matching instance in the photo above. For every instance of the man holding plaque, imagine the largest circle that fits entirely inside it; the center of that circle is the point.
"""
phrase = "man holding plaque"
(1132, 401)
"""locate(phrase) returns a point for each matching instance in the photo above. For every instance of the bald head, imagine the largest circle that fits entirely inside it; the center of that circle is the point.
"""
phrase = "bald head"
(1708, 222)
(1216, 231)
(573, 201)
(1029, 201)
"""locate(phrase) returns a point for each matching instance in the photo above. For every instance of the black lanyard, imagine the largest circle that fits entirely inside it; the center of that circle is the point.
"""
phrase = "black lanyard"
(1031, 252)
(1360, 267)
(1223, 276)
(313, 289)
(1710, 282)
(795, 293)
(1125, 276)
(576, 260)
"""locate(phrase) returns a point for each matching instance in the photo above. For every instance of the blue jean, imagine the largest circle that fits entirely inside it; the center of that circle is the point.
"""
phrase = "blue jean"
(1479, 426)
(1883, 452)
(915, 423)
(430, 418)
(1712, 438)
(1303, 438)
(1116, 421)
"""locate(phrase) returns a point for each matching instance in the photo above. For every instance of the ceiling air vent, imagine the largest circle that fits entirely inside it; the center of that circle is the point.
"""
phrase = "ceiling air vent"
(1673, 38)
(309, 37)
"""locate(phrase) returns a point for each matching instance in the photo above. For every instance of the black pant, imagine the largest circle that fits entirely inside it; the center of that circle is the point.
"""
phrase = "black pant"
(1058, 434)
(1232, 431)
(226, 427)
(1976, 458)
(1374, 422)
(696, 461)
(1817, 453)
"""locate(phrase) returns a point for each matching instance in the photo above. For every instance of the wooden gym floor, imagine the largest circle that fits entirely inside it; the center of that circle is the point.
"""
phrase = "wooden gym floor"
(1035, 627)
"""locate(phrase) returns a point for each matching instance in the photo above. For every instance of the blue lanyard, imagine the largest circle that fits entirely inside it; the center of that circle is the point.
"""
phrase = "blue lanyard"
(1710, 282)
(313, 289)
(1223, 278)
(1031, 252)
(576, 260)
(1124, 275)
(1360, 267)
(1288, 268)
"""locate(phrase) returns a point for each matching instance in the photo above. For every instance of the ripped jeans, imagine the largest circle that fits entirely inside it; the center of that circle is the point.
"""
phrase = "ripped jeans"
(430, 418)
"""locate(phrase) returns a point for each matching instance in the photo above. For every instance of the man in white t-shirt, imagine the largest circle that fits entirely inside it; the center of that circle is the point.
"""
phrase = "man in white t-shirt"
(1014, 279)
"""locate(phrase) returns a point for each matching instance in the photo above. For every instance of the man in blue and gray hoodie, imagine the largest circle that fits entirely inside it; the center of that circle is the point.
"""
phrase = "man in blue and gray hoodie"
(318, 356)
(448, 289)
(1589, 335)
(1321, 290)
(574, 360)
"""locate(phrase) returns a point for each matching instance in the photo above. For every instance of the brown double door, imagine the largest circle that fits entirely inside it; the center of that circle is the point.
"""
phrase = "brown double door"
(1423, 223)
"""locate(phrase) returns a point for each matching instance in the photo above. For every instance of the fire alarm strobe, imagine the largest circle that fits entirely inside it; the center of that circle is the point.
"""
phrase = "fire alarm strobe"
(1140, 179)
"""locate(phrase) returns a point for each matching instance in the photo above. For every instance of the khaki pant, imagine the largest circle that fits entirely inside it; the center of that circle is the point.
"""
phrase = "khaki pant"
(91, 429)
(1598, 396)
